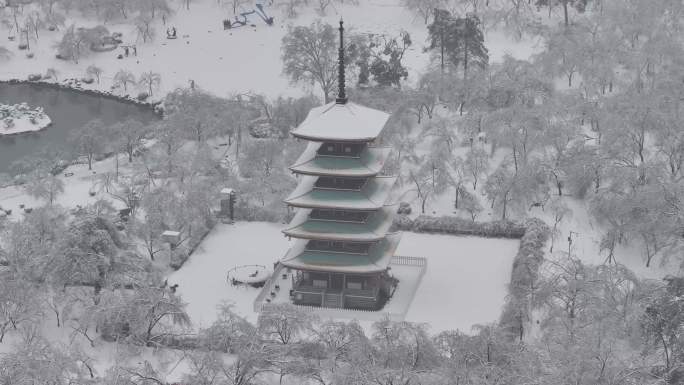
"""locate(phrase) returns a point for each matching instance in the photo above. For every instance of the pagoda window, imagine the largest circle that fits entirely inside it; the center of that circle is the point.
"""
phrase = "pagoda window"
(341, 149)
(339, 215)
(336, 183)
(338, 246)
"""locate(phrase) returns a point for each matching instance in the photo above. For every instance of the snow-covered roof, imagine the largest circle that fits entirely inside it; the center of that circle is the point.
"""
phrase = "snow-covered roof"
(369, 163)
(372, 196)
(374, 229)
(342, 122)
(378, 258)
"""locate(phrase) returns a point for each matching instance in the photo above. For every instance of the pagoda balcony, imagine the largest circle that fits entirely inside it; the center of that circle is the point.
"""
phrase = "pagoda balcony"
(368, 162)
(340, 183)
(337, 290)
(341, 149)
(374, 194)
(373, 228)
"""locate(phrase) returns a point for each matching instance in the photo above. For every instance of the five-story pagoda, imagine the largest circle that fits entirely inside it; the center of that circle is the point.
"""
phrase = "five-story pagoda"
(342, 249)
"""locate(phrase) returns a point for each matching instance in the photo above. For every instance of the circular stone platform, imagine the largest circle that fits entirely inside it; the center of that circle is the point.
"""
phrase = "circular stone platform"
(253, 275)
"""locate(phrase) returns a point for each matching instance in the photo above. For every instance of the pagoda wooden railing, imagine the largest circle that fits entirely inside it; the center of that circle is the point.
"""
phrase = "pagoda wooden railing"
(421, 263)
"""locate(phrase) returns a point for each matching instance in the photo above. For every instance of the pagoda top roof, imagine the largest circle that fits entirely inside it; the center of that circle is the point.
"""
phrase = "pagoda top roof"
(369, 163)
(374, 229)
(348, 122)
(373, 195)
(378, 258)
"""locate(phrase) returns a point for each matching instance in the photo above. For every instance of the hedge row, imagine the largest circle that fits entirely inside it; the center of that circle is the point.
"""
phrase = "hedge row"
(524, 277)
(460, 226)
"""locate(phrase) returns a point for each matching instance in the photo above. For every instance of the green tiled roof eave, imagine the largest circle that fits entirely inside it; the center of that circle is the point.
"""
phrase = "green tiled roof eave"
(374, 229)
(376, 260)
(370, 163)
(373, 196)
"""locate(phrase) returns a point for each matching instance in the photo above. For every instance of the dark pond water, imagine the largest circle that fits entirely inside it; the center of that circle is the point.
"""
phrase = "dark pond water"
(67, 109)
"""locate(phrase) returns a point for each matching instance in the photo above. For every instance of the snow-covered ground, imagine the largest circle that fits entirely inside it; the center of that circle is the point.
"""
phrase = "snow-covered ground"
(202, 281)
(19, 118)
(79, 182)
(242, 60)
(457, 269)
(466, 279)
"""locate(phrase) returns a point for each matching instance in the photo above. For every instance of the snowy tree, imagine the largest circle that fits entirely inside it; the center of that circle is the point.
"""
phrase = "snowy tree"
(579, 5)
(459, 41)
(87, 140)
(150, 80)
(18, 303)
(509, 189)
(383, 59)
(46, 187)
(283, 323)
(203, 115)
(476, 164)
(309, 56)
(123, 78)
(86, 254)
(662, 320)
(35, 360)
(143, 25)
(151, 314)
(564, 54)
(560, 212)
(129, 134)
(72, 45)
(517, 16)
(424, 8)
(94, 71)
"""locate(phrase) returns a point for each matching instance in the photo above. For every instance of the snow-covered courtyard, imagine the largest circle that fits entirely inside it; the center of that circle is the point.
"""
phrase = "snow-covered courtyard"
(465, 282)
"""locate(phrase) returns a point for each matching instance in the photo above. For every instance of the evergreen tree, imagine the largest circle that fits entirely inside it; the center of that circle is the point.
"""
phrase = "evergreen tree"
(460, 41)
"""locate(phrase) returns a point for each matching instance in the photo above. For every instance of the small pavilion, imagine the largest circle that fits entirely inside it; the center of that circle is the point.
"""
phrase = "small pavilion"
(344, 212)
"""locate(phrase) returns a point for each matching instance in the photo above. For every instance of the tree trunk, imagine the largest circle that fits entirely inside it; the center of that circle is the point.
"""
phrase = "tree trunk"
(565, 12)
(456, 196)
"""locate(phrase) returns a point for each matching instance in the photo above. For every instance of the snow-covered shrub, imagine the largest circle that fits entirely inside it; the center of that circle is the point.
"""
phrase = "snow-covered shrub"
(402, 223)
(262, 128)
(275, 212)
(404, 208)
(142, 96)
(178, 258)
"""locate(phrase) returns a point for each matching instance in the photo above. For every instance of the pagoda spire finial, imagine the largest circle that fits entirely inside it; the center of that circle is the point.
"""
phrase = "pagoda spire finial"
(341, 93)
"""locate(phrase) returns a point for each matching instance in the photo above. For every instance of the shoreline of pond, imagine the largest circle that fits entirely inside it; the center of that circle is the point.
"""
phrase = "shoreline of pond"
(65, 85)
(55, 133)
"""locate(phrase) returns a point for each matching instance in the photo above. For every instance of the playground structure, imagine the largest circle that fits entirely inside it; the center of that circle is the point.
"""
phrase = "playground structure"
(241, 22)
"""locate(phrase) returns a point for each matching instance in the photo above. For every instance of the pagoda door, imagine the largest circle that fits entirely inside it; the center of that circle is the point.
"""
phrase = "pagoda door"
(337, 281)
